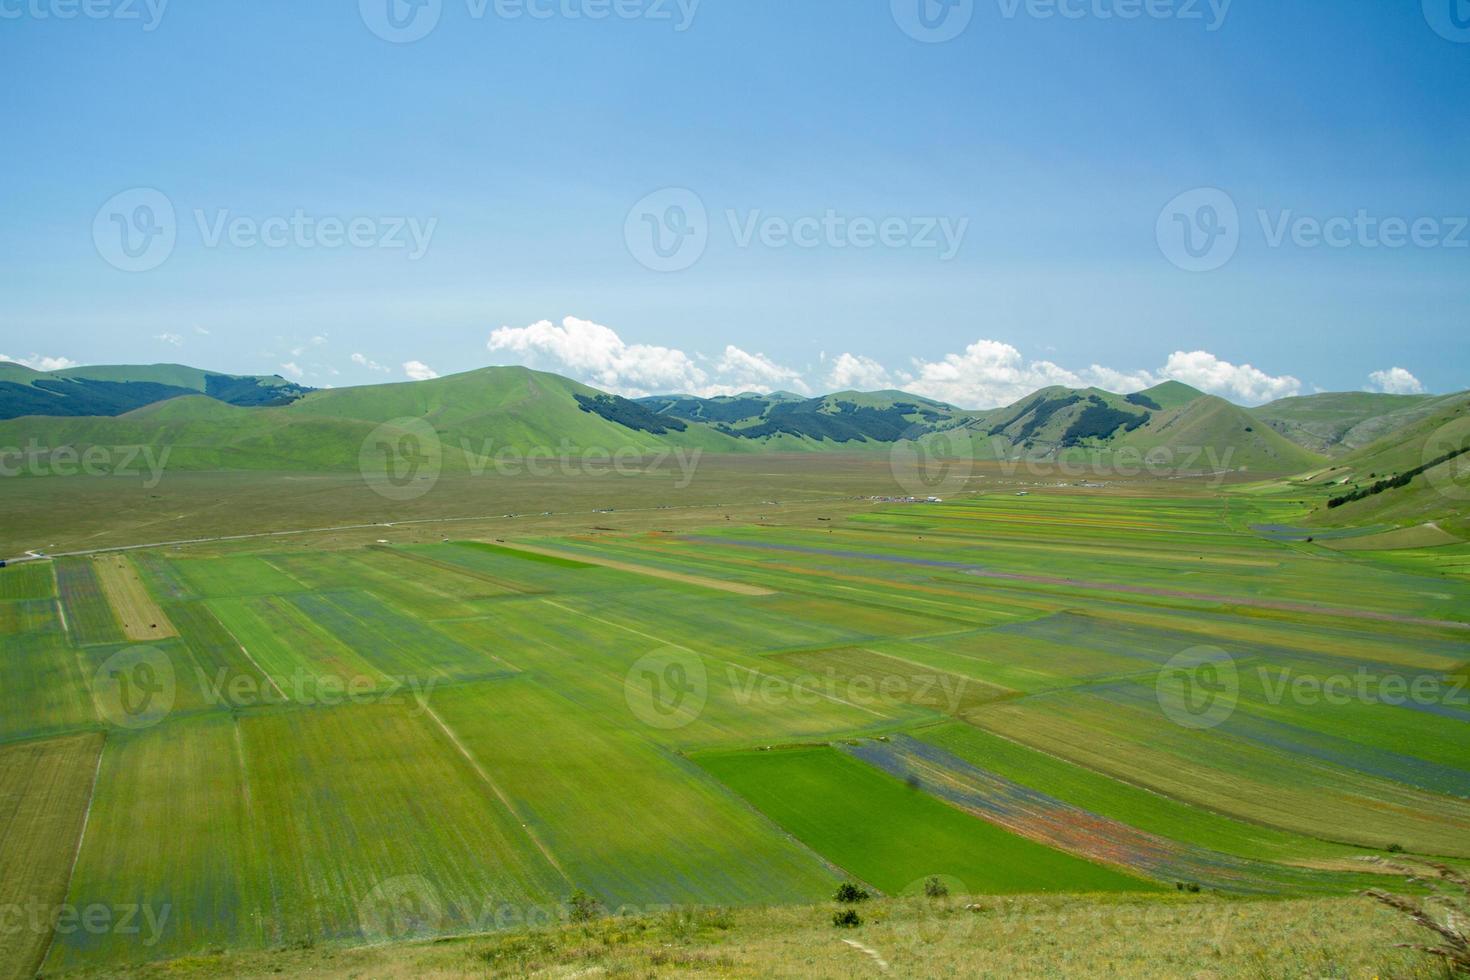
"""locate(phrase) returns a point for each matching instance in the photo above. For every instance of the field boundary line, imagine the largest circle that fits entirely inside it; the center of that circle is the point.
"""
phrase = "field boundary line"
(253, 662)
(495, 788)
(738, 588)
(60, 606)
(76, 855)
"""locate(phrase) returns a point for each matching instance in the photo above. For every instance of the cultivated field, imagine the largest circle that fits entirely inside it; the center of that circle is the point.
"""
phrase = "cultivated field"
(268, 751)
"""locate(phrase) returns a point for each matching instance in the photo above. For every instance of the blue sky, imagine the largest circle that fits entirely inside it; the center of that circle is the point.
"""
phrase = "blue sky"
(968, 217)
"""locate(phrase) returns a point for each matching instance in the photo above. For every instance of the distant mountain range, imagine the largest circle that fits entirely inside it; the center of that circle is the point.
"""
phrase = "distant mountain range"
(116, 390)
(218, 421)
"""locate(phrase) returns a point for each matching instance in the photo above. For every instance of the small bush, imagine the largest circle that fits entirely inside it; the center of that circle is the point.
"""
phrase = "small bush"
(846, 919)
(850, 894)
(583, 907)
(1395, 848)
(934, 887)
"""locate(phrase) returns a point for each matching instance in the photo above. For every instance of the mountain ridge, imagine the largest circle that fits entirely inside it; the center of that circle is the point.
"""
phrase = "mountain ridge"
(521, 411)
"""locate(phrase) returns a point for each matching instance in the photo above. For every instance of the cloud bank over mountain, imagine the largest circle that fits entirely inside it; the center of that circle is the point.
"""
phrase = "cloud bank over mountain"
(986, 374)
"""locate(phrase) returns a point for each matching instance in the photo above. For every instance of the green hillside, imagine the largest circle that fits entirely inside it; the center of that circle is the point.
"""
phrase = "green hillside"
(785, 421)
(1170, 394)
(1226, 434)
(1337, 423)
(1439, 493)
(115, 390)
(476, 416)
(512, 408)
(213, 421)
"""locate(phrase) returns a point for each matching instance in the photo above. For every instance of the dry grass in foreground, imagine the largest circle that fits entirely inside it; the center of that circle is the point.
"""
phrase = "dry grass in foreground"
(1132, 936)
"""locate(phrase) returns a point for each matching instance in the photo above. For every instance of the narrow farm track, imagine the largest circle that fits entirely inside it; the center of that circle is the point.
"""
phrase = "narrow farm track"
(495, 788)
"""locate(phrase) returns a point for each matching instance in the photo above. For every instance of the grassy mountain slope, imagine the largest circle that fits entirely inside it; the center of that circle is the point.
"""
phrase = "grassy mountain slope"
(523, 412)
(1178, 425)
(514, 408)
(787, 422)
(1170, 394)
(115, 390)
(1226, 434)
(1337, 423)
(475, 415)
(1440, 493)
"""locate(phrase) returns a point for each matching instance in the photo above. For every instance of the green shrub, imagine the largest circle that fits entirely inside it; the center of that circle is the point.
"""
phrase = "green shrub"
(850, 894)
(846, 919)
(583, 907)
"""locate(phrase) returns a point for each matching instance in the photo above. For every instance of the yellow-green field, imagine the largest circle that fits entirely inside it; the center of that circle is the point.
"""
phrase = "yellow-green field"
(1119, 694)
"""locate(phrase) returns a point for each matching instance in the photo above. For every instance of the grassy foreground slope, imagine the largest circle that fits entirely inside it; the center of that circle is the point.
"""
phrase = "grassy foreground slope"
(1096, 936)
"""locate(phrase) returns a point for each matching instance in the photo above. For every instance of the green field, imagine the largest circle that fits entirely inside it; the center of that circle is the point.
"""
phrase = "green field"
(894, 837)
(441, 735)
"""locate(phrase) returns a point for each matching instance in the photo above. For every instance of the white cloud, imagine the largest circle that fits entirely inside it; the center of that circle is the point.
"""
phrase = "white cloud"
(362, 360)
(1208, 373)
(419, 371)
(990, 373)
(1395, 381)
(598, 355)
(1119, 382)
(170, 338)
(854, 372)
(40, 362)
(756, 372)
(292, 370)
(986, 374)
(201, 331)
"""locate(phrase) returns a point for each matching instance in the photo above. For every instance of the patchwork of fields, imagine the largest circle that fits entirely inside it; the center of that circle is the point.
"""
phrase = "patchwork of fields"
(237, 748)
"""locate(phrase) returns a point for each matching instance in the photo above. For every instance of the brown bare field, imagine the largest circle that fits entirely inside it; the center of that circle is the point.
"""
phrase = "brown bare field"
(135, 609)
